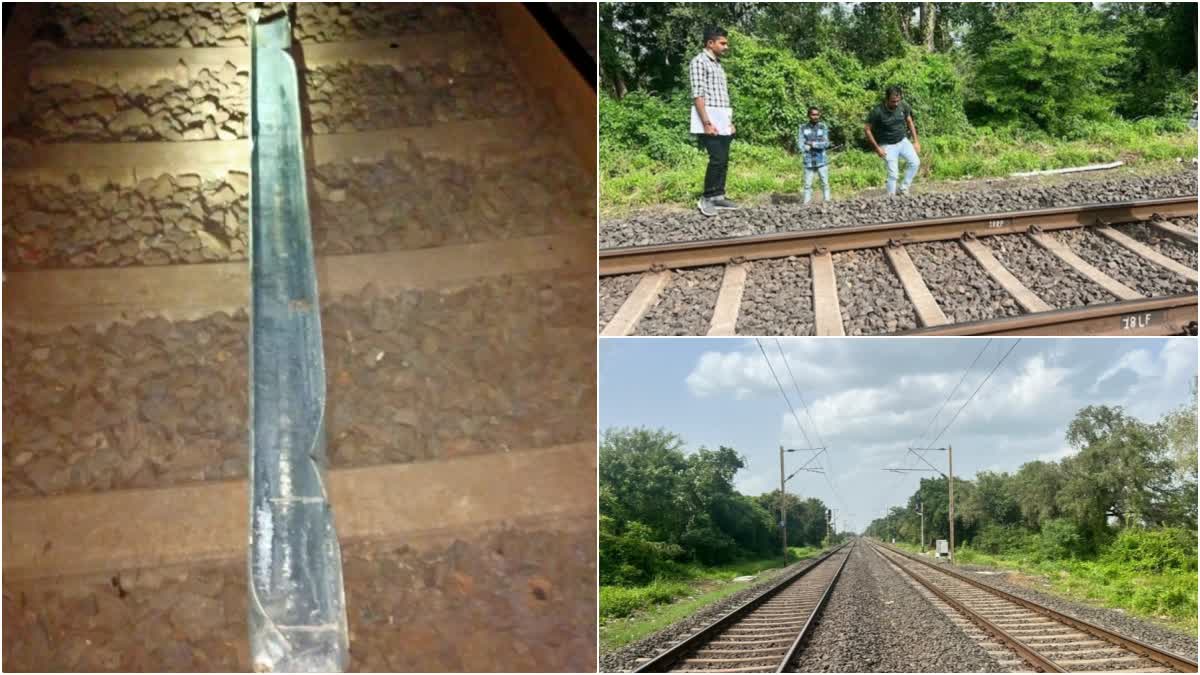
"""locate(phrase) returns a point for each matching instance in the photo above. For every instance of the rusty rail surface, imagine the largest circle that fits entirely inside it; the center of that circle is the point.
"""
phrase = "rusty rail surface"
(667, 660)
(1161, 656)
(628, 260)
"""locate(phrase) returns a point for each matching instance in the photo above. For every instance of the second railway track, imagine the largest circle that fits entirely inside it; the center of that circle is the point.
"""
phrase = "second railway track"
(1024, 635)
(1127, 269)
(764, 634)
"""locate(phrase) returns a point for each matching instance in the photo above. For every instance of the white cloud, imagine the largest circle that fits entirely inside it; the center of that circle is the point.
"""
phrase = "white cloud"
(869, 400)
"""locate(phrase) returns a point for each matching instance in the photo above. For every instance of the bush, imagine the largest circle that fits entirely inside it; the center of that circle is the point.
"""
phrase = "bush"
(617, 601)
(933, 88)
(632, 557)
(772, 90)
(1051, 71)
(1060, 540)
(1003, 540)
(709, 546)
(656, 127)
(1154, 551)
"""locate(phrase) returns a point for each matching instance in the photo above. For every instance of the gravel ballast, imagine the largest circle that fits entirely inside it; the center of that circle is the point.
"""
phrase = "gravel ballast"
(685, 307)
(526, 596)
(1043, 273)
(1171, 247)
(223, 24)
(870, 295)
(661, 226)
(870, 624)
(613, 291)
(777, 299)
(962, 288)
(1124, 265)
(500, 366)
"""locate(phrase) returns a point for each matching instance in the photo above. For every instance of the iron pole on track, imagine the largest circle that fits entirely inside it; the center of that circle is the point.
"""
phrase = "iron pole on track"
(297, 605)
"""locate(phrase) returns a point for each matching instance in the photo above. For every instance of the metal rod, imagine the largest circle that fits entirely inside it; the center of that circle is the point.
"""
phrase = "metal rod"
(783, 506)
(950, 459)
(297, 607)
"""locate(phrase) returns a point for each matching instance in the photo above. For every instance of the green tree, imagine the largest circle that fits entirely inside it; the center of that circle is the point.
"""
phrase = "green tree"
(1120, 472)
(1053, 69)
(1159, 76)
(1036, 486)
(991, 500)
(639, 473)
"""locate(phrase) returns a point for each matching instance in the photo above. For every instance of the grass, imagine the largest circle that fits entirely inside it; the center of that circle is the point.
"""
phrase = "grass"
(630, 179)
(628, 614)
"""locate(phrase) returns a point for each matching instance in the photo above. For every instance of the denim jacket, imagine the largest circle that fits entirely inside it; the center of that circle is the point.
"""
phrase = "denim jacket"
(814, 157)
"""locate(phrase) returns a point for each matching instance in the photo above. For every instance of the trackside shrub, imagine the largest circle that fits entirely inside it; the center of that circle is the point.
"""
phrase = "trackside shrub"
(1153, 551)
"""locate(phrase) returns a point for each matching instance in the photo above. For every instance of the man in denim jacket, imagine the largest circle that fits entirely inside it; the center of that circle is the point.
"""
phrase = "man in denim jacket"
(813, 141)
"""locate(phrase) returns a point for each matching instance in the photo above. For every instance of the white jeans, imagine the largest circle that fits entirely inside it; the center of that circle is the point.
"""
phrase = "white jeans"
(823, 172)
(893, 153)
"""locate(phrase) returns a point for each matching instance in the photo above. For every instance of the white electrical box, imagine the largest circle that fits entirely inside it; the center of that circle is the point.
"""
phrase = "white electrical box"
(943, 548)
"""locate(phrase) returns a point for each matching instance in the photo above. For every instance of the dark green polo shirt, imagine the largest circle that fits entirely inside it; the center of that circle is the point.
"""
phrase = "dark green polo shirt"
(888, 126)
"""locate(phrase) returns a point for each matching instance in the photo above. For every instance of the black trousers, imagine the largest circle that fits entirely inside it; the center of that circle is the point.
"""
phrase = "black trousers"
(718, 163)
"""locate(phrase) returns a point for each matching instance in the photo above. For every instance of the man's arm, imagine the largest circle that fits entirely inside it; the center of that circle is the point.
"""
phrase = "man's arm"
(709, 127)
(912, 129)
(871, 139)
(696, 73)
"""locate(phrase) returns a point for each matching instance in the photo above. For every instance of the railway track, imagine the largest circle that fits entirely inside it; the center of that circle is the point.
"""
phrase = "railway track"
(764, 634)
(1113, 269)
(126, 334)
(1024, 635)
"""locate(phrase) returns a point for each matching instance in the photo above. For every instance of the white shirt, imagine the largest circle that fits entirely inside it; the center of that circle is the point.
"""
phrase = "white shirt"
(708, 82)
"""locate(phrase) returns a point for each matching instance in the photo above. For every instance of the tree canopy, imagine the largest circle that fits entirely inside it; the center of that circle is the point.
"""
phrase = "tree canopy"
(661, 506)
(1126, 473)
(1048, 67)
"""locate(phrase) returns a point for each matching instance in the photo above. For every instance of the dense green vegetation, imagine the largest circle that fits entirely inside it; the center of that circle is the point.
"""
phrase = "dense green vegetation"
(995, 88)
(672, 522)
(1114, 523)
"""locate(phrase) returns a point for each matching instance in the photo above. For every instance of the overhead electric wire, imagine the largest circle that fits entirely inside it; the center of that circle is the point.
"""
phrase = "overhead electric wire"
(785, 396)
(796, 386)
(952, 393)
(968, 401)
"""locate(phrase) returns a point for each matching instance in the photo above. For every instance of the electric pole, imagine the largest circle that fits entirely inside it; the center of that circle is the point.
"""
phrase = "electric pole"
(921, 511)
(783, 507)
(950, 461)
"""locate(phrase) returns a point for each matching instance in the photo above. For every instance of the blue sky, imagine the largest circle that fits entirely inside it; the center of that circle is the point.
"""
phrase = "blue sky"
(871, 398)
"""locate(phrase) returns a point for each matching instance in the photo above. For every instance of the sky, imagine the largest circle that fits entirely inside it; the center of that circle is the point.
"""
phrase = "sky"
(869, 399)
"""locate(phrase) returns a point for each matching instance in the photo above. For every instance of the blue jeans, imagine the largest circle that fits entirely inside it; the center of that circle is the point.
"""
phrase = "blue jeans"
(894, 152)
(823, 172)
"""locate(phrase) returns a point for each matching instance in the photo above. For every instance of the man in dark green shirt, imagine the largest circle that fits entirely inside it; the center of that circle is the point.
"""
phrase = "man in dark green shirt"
(888, 126)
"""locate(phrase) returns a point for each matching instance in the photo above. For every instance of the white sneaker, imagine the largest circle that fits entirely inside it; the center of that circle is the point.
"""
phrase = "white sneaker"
(706, 207)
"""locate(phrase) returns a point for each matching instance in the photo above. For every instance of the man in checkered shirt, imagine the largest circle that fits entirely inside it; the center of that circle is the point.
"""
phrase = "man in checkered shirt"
(712, 118)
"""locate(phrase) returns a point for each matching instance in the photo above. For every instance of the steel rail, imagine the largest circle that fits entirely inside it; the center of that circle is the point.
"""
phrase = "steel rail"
(664, 661)
(1032, 656)
(629, 260)
(297, 605)
(812, 616)
(1173, 314)
(1166, 658)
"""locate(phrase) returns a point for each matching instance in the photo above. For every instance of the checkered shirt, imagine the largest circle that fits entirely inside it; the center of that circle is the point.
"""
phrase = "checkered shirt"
(708, 80)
